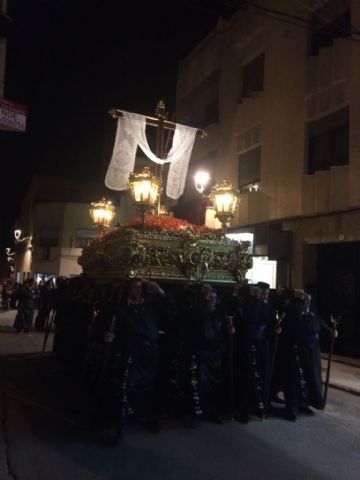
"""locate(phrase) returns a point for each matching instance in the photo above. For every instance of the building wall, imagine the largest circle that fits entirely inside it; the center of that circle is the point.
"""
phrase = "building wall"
(69, 222)
(3, 9)
(2, 65)
(299, 87)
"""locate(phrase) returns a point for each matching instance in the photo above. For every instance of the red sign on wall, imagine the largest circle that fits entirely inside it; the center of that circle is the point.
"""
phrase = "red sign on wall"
(12, 116)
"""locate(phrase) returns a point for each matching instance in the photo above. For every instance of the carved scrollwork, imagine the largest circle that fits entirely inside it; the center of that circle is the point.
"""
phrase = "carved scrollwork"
(166, 254)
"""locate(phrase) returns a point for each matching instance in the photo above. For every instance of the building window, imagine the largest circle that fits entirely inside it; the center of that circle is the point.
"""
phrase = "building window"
(210, 114)
(84, 237)
(48, 237)
(249, 168)
(253, 76)
(329, 141)
(339, 26)
(200, 107)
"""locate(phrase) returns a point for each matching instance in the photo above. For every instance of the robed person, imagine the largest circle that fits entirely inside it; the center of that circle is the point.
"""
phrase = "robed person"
(45, 304)
(74, 315)
(254, 327)
(133, 366)
(301, 354)
(204, 333)
(26, 307)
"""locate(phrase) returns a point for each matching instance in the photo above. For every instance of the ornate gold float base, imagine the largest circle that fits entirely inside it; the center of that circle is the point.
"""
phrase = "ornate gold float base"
(166, 255)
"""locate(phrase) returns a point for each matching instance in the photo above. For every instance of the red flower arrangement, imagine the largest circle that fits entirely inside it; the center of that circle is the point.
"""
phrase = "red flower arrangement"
(158, 223)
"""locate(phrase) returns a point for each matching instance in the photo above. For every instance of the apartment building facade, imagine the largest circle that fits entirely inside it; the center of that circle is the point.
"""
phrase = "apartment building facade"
(277, 89)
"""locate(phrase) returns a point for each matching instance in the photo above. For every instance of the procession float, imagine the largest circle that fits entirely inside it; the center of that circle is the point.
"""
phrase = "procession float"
(157, 246)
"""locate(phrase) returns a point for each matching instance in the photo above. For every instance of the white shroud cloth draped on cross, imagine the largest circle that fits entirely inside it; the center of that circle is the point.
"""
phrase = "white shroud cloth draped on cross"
(131, 133)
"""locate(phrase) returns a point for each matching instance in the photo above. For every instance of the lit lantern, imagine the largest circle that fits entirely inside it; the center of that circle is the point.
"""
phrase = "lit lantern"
(211, 221)
(102, 214)
(145, 189)
(225, 200)
(201, 180)
(17, 234)
(7, 250)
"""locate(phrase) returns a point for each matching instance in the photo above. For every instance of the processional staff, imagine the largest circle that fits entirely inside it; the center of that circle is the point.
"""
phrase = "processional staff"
(334, 323)
(279, 319)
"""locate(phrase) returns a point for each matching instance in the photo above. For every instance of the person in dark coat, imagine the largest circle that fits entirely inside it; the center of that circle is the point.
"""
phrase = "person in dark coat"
(61, 303)
(14, 296)
(254, 325)
(134, 359)
(45, 304)
(301, 352)
(6, 295)
(26, 307)
(73, 317)
(203, 356)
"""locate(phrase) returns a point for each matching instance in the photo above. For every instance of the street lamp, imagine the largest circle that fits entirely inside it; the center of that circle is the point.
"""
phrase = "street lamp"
(8, 250)
(225, 200)
(102, 214)
(145, 189)
(201, 180)
(17, 234)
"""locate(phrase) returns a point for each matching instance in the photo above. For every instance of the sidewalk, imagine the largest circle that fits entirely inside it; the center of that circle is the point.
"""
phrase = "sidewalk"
(18, 343)
(345, 373)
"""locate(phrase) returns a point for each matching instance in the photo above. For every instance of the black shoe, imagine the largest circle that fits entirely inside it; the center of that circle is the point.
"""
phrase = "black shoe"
(113, 440)
(190, 421)
(214, 418)
(290, 416)
(242, 418)
(276, 399)
(307, 410)
(153, 426)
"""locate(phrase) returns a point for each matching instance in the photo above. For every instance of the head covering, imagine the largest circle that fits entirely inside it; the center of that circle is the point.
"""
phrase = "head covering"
(263, 285)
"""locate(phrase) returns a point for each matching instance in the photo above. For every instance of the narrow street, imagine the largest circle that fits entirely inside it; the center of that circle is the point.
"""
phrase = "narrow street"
(40, 441)
(324, 447)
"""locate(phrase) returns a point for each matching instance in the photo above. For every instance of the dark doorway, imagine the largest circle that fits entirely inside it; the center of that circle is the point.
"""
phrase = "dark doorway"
(338, 288)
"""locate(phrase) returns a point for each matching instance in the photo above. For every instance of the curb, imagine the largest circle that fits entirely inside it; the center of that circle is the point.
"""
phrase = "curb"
(350, 390)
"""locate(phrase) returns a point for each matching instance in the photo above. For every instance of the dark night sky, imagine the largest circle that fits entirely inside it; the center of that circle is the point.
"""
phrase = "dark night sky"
(69, 61)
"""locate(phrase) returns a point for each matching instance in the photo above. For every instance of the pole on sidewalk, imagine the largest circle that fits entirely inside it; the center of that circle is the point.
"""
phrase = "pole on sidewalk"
(334, 324)
(48, 326)
(231, 332)
(279, 319)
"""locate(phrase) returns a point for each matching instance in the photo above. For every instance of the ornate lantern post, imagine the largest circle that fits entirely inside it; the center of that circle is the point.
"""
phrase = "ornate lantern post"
(225, 200)
(102, 214)
(145, 189)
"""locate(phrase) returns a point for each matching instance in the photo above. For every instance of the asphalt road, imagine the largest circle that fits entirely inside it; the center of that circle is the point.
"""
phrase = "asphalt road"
(37, 444)
(326, 446)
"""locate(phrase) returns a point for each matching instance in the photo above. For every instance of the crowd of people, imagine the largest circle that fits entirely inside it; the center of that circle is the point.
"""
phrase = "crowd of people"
(193, 353)
(28, 298)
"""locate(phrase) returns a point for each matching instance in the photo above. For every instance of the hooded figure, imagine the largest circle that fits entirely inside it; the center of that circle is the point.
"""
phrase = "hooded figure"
(26, 307)
(302, 357)
(135, 354)
(254, 326)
